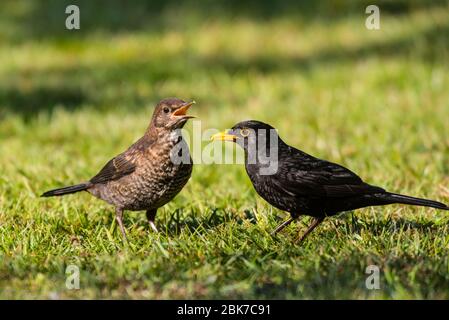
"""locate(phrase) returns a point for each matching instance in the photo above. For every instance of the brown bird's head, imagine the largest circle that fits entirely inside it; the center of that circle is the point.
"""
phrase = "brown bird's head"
(171, 114)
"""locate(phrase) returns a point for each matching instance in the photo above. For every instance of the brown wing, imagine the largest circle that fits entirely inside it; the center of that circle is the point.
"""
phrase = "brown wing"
(124, 164)
(114, 169)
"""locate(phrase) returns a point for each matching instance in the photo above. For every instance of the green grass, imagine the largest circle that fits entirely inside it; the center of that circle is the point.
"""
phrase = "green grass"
(375, 101)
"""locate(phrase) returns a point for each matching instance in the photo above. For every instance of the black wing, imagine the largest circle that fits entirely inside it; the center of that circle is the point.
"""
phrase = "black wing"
(310, 176)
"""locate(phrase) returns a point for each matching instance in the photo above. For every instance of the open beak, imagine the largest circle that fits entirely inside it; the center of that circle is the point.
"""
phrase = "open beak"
(182, 111)
(223, 136)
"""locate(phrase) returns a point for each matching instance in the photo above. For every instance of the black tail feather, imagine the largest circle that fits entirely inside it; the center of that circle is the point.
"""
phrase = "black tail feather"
(67, 190)
(399, 198)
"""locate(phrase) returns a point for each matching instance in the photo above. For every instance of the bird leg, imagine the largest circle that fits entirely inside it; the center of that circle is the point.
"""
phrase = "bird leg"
(118, 217)
(315, 223)
(283, 225)
(151, 215)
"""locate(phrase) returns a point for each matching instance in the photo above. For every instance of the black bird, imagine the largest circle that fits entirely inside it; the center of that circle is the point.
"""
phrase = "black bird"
(296, 182)
(150, 173)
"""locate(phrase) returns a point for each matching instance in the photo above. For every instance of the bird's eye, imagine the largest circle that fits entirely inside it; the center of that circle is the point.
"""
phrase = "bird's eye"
(166, 110)
(244, 132)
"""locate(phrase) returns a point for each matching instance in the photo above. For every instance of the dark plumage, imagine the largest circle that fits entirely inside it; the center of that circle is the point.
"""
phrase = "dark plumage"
(302, 184)
(150, 173)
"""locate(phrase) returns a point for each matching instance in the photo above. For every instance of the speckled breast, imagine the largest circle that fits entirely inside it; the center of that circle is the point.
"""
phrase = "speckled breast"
(158, 178)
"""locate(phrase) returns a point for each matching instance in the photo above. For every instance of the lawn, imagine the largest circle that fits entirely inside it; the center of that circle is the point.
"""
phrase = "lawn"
(374, 101)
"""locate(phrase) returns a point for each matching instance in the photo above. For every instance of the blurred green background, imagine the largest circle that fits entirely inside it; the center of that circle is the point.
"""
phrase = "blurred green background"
(375, 101)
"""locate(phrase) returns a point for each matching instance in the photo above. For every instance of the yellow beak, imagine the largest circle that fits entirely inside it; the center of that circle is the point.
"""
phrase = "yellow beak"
(223, 136)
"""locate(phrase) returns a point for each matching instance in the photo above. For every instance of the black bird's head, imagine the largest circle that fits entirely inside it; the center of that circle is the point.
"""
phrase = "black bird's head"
(248, 133)
(260, 142)
(170, 114)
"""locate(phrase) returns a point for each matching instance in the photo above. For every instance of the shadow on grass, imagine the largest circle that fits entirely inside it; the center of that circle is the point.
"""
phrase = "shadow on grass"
(180, 219)
(358, 225)
(430, 46)
(88, 84)
(101, 85)
(331, 280)
(46, 18)
(29, 102)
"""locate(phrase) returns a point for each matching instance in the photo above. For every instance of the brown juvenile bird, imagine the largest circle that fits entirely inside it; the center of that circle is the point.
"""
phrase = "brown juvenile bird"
(150, 173)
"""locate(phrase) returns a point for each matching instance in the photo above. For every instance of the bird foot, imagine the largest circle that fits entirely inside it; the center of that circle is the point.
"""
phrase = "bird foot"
(122, 230)
(299, 240)
(153, 226)
(315, 223)
(281, 227)
(119, 218)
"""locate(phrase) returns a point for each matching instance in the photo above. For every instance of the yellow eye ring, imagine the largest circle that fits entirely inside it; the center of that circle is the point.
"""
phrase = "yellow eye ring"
(244, 132)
